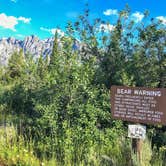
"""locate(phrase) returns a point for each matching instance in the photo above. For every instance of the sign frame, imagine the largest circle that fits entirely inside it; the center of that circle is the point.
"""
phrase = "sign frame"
(139, 104)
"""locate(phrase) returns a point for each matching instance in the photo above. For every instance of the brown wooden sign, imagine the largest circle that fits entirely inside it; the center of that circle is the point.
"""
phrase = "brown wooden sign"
(138, 104)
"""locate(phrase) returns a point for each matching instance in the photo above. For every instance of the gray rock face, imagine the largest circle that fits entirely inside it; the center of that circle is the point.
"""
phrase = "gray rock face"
(34, 46)
(30, 44)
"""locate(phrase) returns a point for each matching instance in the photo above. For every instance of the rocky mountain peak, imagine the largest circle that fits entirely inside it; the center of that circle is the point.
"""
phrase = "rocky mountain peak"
(31, 44)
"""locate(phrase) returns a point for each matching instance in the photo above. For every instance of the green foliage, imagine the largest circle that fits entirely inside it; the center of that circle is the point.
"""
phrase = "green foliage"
(16, 65)
(14, 151)
(60, 106)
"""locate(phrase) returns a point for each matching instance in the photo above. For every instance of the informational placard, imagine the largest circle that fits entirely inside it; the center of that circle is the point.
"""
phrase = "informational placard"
(139, 104)
(137, 131)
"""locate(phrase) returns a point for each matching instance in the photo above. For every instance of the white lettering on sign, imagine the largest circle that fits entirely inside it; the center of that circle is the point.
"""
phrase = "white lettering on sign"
(138, 92)
(139, 104)
(147, 93)
(124, 91)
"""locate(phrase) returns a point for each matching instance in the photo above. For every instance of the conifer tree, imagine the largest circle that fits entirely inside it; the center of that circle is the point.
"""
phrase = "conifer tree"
(55, 53)
(16, 65)
(41, 67)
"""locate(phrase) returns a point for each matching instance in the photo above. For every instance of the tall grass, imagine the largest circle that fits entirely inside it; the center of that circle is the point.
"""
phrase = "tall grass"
(15, 150)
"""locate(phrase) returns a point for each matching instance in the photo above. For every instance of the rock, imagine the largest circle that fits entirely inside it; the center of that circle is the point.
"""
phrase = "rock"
(31, 44)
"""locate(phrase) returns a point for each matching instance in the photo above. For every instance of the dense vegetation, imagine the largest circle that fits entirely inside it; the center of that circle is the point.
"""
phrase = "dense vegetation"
(56, 110)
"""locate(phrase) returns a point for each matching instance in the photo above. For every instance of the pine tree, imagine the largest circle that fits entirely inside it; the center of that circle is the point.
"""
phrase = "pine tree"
(55, 53)
(16, 65)
(42, 67)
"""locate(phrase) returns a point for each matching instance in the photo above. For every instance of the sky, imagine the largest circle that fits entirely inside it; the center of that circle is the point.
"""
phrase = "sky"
(21, 18)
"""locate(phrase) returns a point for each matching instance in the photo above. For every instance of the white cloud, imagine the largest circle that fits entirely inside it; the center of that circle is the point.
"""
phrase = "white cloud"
(25, 20)
(137, 16)
(9, 22)
(106, 27)
(109, 12)
(162, 19)
(53, 30)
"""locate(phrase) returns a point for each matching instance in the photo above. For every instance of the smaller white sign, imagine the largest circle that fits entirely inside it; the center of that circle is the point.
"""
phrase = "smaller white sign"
(137, 131)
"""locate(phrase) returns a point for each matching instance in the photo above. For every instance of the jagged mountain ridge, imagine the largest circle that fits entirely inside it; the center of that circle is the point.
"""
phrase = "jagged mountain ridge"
(31, 44)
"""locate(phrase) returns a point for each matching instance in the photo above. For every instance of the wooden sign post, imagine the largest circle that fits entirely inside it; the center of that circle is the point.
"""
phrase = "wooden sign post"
(138, 105)
(137, 133)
